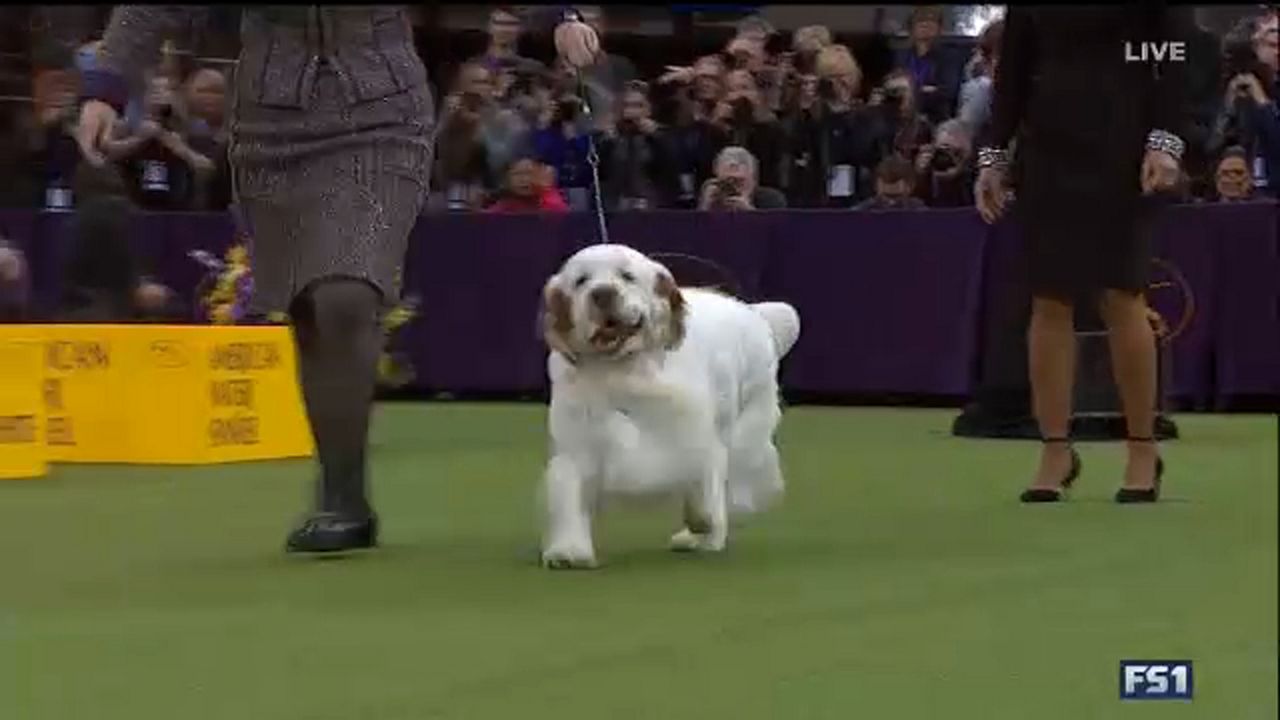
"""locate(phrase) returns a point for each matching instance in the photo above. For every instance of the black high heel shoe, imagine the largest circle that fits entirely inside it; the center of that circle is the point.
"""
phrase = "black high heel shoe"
(1058, 494)
(1126, 495)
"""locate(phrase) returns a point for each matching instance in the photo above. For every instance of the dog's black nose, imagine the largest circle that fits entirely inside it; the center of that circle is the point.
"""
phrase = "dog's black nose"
(604, 296)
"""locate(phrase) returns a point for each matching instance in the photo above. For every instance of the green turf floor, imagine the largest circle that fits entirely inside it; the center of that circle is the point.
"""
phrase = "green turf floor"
(901, 580)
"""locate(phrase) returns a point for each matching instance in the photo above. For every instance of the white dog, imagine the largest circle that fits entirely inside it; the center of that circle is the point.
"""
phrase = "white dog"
(657, 391)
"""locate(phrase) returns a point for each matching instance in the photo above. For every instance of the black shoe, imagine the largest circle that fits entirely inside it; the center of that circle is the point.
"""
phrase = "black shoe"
(1058, 494)
(330, 532)
(1126, 496)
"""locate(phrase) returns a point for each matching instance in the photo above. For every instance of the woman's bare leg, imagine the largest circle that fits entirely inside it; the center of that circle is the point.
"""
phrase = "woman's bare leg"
(1052, 356)
(1133, 362)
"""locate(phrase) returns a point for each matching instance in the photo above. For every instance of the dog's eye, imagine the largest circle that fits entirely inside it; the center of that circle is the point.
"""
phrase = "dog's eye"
(582, 280)
(627, 276)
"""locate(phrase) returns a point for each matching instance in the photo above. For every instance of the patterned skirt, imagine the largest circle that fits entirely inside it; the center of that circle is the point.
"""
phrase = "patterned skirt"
(330, 191)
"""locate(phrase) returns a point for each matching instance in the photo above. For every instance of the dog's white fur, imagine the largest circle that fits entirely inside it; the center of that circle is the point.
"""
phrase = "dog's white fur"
(656, 391)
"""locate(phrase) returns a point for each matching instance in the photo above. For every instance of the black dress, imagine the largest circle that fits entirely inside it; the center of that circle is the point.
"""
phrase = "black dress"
(1080, 114)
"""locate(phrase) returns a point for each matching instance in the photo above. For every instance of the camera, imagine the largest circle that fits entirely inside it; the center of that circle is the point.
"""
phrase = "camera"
(471, 101)
(826, 89)
(166, 118)
(802, 63)
(944, 159)
(894, 97)
(1239, 57)
(567, 109)
(724, 188)
(521, 84)
(743, 111)
(626, 126)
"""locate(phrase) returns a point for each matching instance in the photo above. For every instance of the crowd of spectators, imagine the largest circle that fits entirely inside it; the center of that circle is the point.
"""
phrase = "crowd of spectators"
(773, 122)
(170, 149)
(768, 122)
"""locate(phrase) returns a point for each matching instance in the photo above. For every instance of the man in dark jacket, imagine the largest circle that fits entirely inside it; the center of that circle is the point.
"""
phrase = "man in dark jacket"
(935, 71)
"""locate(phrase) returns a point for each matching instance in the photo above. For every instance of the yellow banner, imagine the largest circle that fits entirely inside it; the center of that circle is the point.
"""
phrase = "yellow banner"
(22, 450)
(162, 394)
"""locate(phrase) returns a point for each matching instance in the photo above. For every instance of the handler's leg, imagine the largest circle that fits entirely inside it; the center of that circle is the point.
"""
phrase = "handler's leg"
(1133, 362)
(338, 338)
(1052, 359)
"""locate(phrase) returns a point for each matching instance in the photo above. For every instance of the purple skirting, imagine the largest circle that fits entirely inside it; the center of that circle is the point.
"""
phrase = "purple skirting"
(896, 303)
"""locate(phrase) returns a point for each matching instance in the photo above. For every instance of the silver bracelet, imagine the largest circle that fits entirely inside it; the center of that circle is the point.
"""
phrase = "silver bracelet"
(1166, 142)
(993, 157)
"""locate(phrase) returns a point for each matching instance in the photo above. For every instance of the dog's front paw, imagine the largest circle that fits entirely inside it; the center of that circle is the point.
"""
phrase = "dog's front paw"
(689, 541)
(565, 556)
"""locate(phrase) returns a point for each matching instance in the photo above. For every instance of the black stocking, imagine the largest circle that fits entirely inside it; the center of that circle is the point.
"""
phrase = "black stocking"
(338, 339)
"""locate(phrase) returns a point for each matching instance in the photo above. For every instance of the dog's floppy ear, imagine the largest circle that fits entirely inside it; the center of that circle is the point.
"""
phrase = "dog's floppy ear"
(557, 318)
(665, 287)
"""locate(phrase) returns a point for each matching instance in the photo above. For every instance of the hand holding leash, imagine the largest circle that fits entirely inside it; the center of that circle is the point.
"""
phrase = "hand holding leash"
(578, 45)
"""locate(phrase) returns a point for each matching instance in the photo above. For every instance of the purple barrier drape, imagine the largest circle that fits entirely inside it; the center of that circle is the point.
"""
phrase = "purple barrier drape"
(891, 302)
(1247, 336)
(1184, 291)
(888, 298)
(211, 232)
(480, 281)
(48, 248)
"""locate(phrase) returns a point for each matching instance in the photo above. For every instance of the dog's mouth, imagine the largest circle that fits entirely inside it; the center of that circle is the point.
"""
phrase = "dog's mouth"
(613, 332)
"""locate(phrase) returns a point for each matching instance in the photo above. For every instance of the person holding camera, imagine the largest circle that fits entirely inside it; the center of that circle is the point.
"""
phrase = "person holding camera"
(158, 163)
(1249, 116)
(748, 49)
(694, 141)
(934, 72)
(945, 169)
(477, 140)
(831, 136)
(634, 158)
(798, 63)
(736, 185)
(806, 43)
(508, 70)
(899, 127)
(1099, 142)
(742, 119)
(747, 52)
(806, 180)
(39, 141)
(563, 142)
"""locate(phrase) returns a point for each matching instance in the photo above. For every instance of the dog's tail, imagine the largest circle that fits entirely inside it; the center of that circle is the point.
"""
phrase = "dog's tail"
(784, 321)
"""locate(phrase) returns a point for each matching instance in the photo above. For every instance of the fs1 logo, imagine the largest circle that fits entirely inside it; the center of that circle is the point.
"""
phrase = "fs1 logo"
(1156, 680)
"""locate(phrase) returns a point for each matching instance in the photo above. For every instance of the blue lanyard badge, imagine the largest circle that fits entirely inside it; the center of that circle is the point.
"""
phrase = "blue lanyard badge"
(155, 176)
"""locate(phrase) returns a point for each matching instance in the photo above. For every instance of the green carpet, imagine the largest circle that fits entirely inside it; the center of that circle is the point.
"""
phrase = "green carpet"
(901, 580)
